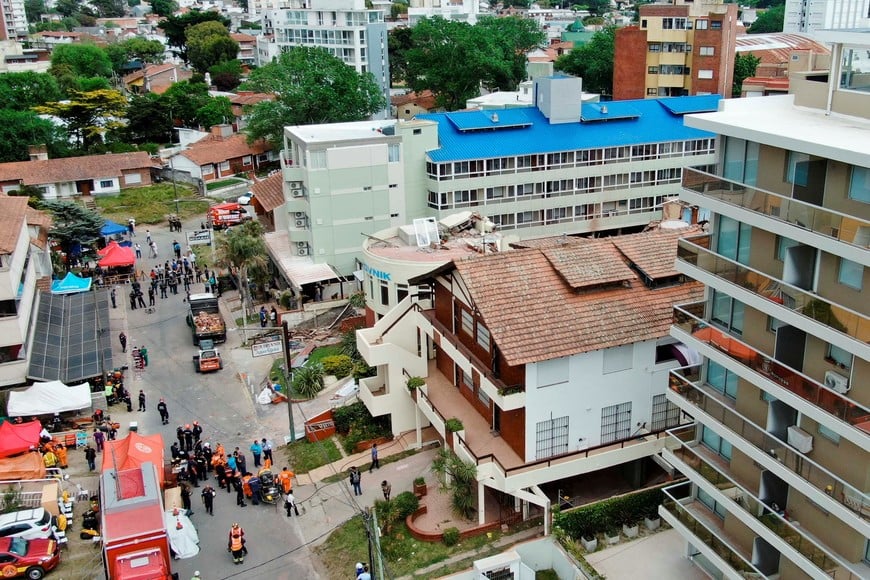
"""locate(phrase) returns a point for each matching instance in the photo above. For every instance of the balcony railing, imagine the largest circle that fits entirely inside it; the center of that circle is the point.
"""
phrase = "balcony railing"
(775, 521)
(694, 251)
(686, 318)
(706, 536)
(813, 473)
(841, 227)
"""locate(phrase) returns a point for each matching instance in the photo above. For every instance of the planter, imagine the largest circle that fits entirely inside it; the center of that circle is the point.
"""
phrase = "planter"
(652, 523)
(420, 489)
(612, 539)
(590, 543)
(630, 531)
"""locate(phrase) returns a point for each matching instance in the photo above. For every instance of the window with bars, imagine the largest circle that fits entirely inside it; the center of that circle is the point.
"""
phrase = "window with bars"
(615, 422)
(500, 574)
(664, 413)
(552, 437)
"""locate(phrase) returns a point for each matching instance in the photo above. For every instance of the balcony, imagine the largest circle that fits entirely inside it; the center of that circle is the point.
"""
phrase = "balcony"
(792, 540)
(373, 393)
(774, 454)
(290, 170)
(701, 187)
(778, 295)
(377, 350)
(706, 531)
(692, 328)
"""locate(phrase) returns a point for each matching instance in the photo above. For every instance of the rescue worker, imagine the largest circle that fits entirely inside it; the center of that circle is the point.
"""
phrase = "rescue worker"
(285, 478)
(164, 412)
(254, 484)
(236, 543)
(208, 494)
(179, 434)
(188, 438)
(197, 431)
(61, 455)
(240, 492)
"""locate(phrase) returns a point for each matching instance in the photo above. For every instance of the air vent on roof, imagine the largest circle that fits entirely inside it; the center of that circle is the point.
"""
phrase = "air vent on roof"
(603, 109)
(494, 118)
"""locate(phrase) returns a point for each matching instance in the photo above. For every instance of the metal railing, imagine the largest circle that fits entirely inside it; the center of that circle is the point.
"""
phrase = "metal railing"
(687, 318)
(694, 251)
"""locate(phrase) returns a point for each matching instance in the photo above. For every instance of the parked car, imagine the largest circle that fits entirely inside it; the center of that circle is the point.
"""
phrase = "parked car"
(32, 524)
(245, 199)
(28, 558)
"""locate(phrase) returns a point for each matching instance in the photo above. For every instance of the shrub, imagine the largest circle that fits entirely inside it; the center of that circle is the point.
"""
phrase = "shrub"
(345, 417)
(453, 425)
(308, 381)
(339, 365)
(419, 480)
(415, 383)
(362, 371)
(608, 514)
(407, 503)
(450, 537)
(287, 300)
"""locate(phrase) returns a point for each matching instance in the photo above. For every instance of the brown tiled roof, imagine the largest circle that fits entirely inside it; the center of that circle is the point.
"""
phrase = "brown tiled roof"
(249, 98)
(44, 171)
(534, 315)
(423, 99)
(654, 253)
(149, 71)
(547, 242)
(12, 212)
(270, 192)
(41, 220)
(239, 37)
(584, 265)
(212, 149)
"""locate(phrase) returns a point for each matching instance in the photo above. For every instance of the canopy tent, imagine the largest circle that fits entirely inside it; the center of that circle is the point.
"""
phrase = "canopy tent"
(116, 255)
(71, 284)
(50, 397)
(26, 466)
(132, 451)
(17, 438)
(110, 228)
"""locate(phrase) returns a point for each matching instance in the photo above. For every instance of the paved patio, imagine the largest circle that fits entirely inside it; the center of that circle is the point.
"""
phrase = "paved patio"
(658, 555)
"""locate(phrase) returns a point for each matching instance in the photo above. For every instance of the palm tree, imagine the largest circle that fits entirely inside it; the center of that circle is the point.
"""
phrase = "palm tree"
(243, 251)
(308, 380)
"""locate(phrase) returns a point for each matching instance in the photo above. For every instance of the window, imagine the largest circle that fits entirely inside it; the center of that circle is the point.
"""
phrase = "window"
(701, 24)
(483, 337)
(552, 372)
(246, 160)
(393, 152)
(741, 160)
(130, 178)
(733, 239)
(225, 165)
(467, 322)
(707, 499)
(643, 23)
(615, 423)
(774, 324)
(418, 131)
(652, 70)
(207, 169)
(828, 434)
(655, 47)
(850, 274)
(385, 293)
(618, 358)
(652, 91)
(839, 356)
(482, 396)
(715, 443)
(705, 73)
(715, 25)
(551, 437)
(106, 183)
(798, 168)
(664, 413)
(859, 184)
(727, 312)
(707, 51)
(722, 379)
(782, 246)
(401, 292)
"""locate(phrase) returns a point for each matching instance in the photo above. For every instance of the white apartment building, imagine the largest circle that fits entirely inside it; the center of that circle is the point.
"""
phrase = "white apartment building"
(779, 460)
(809, 16)
(13, 24)
(464, 10)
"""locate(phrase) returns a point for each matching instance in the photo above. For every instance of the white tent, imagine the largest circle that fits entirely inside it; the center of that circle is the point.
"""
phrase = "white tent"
(51, 397)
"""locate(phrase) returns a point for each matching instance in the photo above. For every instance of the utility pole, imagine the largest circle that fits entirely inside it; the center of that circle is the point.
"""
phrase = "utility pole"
(367, 518)
(288, 375)
(174, 184)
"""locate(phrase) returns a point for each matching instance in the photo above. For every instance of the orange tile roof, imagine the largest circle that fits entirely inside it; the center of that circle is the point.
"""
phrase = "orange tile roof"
(250, 98)
(593, 264)
(533, 314)
(270, 192)
(43, 171)
(212, 149)
(423, 99)
(13, 210)
(654, 253)
(41, 220)
(240, 37)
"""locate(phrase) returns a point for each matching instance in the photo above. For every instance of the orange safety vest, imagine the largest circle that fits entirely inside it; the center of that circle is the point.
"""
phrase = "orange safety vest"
(236, 540)
(286, 478)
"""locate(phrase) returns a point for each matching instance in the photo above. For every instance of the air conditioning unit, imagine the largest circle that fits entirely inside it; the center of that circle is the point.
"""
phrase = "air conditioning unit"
(301, 244)
(296, 192)
(300, 223)
(800, 439)
(296, 184)
(300, 215)
(302, 251)
(837, 382)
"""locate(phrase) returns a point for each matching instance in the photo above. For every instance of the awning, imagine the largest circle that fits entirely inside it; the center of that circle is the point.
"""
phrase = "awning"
(110, 228)
(50, 397)
(298, 270)
(71, 284)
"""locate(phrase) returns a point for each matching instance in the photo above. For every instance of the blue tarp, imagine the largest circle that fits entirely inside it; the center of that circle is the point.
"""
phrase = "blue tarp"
(71, 284)
(110, 228)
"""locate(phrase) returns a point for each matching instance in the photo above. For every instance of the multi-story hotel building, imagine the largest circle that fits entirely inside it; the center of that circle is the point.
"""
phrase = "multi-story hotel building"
(808, 16)
(688, 48)
(13, 24)
(778, 461)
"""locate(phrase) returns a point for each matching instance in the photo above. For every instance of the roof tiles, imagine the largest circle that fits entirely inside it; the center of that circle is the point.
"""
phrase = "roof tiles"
(269, 193)
(13, 210)
(44, 171)
(212, 149)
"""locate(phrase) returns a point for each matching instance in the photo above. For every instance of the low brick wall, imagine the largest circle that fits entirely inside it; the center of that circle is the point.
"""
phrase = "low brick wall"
(352, 323)
(427, 536)
(363, 445)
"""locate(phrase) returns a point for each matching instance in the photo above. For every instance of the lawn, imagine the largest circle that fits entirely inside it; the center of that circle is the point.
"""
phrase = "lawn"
(322, 352)
(213, 185)
(304, 456)
(151, 205)
(403, 554)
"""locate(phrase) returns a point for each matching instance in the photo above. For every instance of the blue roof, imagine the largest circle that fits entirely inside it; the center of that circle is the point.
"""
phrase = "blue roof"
(639, 121)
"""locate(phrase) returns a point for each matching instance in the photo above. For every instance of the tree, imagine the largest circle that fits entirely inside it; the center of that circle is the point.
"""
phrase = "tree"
(19, 91)
(458, 477)
(83, 59)
(175, 28)
(20, 129)
(138, 48)
(67, 7)
(34, 10)
(164, 7)
(109, 8)
(89, 115)
(769, 21)
(243, 251)
(312, 86)
(73, 225)
(513, 37)
(226, 76)
(148, 120)
(744, 67)
(209, 44)
(593, 62)
(215, 111)
(398, 43)
(308, 380)
(190, 104)
(597, 7)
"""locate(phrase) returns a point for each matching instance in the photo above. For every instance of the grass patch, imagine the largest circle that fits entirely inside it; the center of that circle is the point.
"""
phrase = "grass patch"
(304, 456)
(213, 185)
(321, 352)
(151, 205)
(404, 554)
(240, 321)
(385, 460)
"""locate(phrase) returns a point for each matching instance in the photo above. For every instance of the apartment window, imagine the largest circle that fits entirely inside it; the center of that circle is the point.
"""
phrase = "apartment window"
(654, 47)
(483, 337)
(722, 379)
(850, 274)
(106, 183)
(482, 396)
(707, 499)
(551, 437)
(401, 292)
(715, 25)
(225, 166)
(652, 70)
(715, 443)
(652, 91)
(393, 153)
(643, 23)
(727, 312)
(773, 324)
(385, 293)
(664, 413)
(702, 24)
(707, 51)
(418, 131)
(464, 379)
(246, 160)
(859, 184)
(615, 423)
(705, 73)
(828, 434)
(467, 323)
(733, 239)
(552, 372)
(782, 246)
(741, 160)
(839, 356)
(798, 168)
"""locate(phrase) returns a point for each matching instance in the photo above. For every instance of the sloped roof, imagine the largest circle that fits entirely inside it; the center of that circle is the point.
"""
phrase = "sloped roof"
(585, 265)
(249, 98)
(654, 253)
(269, 193)
(43, 171)
(13, 210)
(240, 37)
(423, 99)
(213, 149)
(776, 47)
(533, 314)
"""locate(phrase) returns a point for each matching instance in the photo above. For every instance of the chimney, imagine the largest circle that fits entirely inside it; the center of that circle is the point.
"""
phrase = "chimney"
(38, 152)
(222, 131)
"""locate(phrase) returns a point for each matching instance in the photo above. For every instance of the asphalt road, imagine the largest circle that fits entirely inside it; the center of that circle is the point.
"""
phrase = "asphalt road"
(222, 405)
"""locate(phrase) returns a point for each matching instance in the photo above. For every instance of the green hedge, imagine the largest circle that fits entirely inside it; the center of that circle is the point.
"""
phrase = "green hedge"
(610, 513)
(339, 365)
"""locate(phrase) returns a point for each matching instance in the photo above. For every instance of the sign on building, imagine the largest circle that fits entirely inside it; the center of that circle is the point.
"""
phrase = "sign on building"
(199, 237)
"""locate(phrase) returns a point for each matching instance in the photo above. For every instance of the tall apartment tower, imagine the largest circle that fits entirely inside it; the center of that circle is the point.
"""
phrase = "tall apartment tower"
(810, 15)
(688, 47)
(13, 24)
(778, 461)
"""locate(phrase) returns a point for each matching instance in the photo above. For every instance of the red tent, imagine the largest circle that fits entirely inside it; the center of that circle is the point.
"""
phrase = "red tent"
(109, 248)
(116, 255)
(17, 438)
(132, 451)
